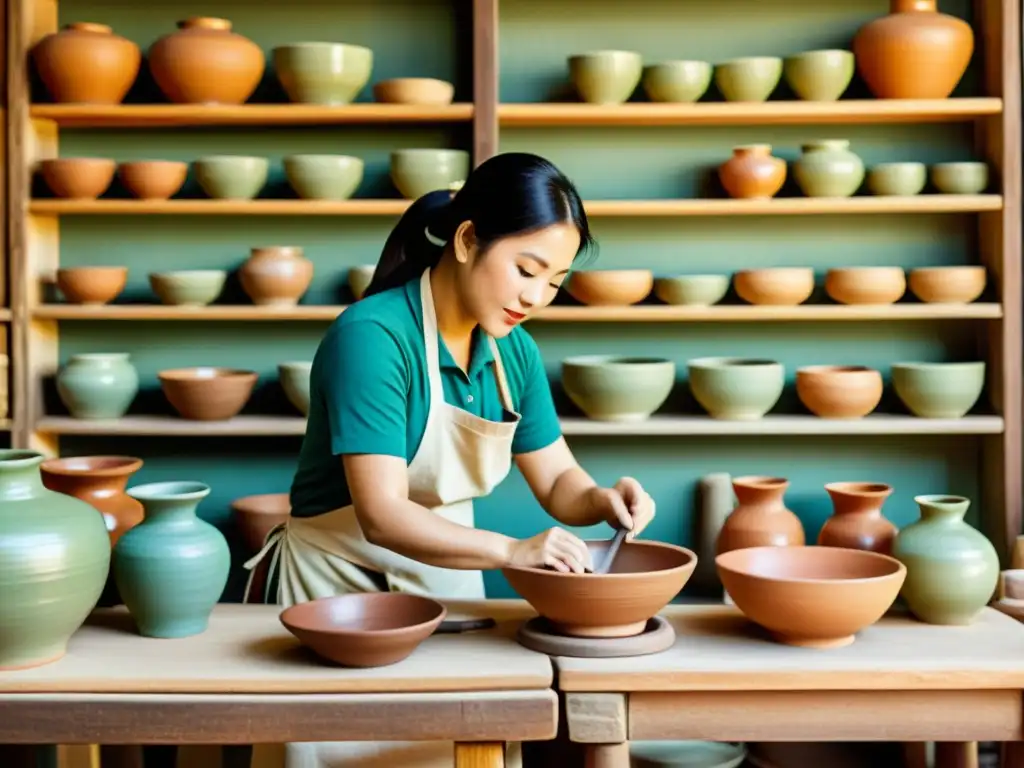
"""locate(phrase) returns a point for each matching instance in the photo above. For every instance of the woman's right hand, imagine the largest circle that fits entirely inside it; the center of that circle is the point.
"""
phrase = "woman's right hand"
(554, 548)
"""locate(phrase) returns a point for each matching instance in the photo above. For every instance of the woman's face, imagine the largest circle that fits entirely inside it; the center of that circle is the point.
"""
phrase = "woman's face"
(516, 277)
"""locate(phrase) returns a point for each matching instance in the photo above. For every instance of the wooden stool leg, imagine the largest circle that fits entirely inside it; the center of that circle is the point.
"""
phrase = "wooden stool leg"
(956, 754)
(490, 754)
(121, 756)
(607, 756)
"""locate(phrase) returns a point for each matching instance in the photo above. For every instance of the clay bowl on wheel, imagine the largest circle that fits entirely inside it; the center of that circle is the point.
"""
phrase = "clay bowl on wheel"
(646, 575)
(371, 629)
(817, 597)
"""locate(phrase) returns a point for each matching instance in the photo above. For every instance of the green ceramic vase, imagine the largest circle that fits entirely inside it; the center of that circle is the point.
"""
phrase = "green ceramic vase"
(952, 569)
(98, 385)
(828, 168)
(54, 560)
(171, 569)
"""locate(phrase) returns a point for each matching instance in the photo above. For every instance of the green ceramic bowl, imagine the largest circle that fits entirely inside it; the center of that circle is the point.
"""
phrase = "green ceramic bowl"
(694, 290)
(819, 75)
(966, 178)
(677, 81)
(897, 179)
(748, 79)
(231, 177)
(939, 390)
(359, 279)
(188, 288)
(324, 177)
(618, 388)
(294, 378)
(323, 73)
(736, 388)
(415, 172)
(606, 77)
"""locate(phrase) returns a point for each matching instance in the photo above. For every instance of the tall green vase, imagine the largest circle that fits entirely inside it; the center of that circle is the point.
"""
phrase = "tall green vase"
(54, 560)
(171, 569)
(952, 569)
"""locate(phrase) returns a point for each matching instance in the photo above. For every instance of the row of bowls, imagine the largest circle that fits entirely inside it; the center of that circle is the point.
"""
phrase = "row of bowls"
(630, 389)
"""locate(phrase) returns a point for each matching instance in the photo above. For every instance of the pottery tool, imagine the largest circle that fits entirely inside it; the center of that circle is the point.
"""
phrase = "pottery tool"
(457, 626)
(613, 550)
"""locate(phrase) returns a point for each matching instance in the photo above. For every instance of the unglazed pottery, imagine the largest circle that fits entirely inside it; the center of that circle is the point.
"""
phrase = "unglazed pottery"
(91, 286)
(839, 391)
(819, 75)
(644, 577)
(780, 286)
(857, 521)
(760, 518)
(939, 390)
(677, 81)
(947, 285)
(752, 172)
(952, 569)
(188, 287)
(86, 63)
(828, 168)
(294, 378)
(897, 179)
(866, 285)
(913, 53)
(204, 62)
(276, 276)
(735, 388)
(748, 79)
(53, 563)
(171, 569)
(424, 91)
(364, 629)
(324, 177)
(207, 393)
(78, 178)
(963, 178)
(323, 73)
(359, 279)
(692, 290)
(618, 387)
(606, 77)
(813, 597)
(153, 179)
(100, 481)
(610, 287)
(231, 177)
(258, 515)
(415, 172)
(98, 385)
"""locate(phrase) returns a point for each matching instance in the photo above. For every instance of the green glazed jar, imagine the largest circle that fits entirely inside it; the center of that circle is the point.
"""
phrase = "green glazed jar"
(171, 569)
(952, 569)
(54, 560)
(98, 385)
(828, 168)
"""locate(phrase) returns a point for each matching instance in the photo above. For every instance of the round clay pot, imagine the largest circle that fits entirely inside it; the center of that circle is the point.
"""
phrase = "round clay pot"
(323, 73)
(692, 290)
(606, 77)
(610, 287)
(939, 390)
(752, 172)
(78, 178)
(760, 518)
(947, 285)
(679, 82)
(819, 75)
(914, 52)
(204, 62)
(86, 63)
(100, 385)
(828, 168)
(736, 388)
(857, 521)
(359, 279)
(424, 91)
(751, 78)
(614, 388)
(897, 179)
(963, 178)
(276, 276)
(839, 391)
(91, 286)
(866, 285)
(415, 172)
(153, 179)
(258, 515)
(778, 286)
(294, 378)
(324, 177)
(207, 393)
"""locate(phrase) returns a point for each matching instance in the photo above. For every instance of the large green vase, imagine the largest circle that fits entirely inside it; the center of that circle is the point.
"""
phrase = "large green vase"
(54, 560)
(952, 569)
(171, 569)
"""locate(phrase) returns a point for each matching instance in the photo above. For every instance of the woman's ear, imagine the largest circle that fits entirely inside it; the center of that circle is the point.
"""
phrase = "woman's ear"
(464, 242)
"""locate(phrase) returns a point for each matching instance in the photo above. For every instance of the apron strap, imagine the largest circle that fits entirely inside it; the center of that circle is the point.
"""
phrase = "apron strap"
(433, 352)
(274, 538)
(499, 373)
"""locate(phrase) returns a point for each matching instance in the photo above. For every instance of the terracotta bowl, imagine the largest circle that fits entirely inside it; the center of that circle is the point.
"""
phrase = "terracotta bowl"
(610, 287)
(866, 285)
(79, 178)
(207, 393)
(257, 515)
(947, 285)
(783, 286)
(426, 91)
(153, 179)
(816, 597)
(93, 286)
(645, 577)
(371, 629)
(839, 391)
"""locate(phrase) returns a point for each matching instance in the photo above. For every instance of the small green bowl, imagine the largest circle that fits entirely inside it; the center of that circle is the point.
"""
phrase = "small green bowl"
(188, 287)
(606, 77)
(939, 390)
(294, 378)
(415, 172)
(618, 387)
(734, 388)
(677, 81)
(231, 177)
(819, 75)
(692, 290)
(897, 179)
(753, 78)
(324, 177)
(963, 178)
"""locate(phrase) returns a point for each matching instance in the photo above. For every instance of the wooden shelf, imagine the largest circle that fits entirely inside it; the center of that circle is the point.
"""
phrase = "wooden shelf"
(189, 115)
(562, 314)
(766, 113)
(203, 207)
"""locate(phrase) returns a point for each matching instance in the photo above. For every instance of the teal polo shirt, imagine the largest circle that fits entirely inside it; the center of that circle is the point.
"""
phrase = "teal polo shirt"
(369, 393)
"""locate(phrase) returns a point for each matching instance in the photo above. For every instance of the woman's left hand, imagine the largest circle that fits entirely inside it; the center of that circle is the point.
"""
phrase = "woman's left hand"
(625, 505)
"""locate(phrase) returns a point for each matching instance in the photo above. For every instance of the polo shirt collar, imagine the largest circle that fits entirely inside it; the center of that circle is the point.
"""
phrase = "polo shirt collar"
(481, 356)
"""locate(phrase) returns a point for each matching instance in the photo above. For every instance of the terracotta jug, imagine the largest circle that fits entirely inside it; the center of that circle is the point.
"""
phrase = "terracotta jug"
(276, 275)
(752, 172)
(857, 521)
(86, 63)
(760, 518)
(913, 53)
(204, 62)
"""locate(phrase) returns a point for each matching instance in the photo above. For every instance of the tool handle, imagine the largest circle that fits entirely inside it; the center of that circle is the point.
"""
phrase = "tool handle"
(613, 550)
(457, 626)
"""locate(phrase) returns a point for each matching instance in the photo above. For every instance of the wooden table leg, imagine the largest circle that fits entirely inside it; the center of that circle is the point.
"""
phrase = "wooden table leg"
(1012, 754)
(956, 754)
(488, 754)
(607, 756)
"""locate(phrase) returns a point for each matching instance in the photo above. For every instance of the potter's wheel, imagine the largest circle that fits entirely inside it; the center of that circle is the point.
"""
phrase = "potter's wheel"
(537, 635)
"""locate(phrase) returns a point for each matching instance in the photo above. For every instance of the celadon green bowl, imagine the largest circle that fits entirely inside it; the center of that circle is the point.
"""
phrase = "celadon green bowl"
(939, 390)
(231, 177)
(736, 388)
(294, 378)
(323, 73)
(324, 177)
(618, 387)
(692, 290)
(606, 77)
(819, 75)
(415, 172)
(677, 81)
(188, 287)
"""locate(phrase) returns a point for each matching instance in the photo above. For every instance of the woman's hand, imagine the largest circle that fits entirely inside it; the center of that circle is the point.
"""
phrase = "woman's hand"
(555, 548)
(625, 505)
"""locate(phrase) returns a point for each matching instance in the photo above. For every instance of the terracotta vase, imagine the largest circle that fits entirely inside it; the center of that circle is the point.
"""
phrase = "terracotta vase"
(760, 518)
(752, 172)
(86, 63)
(913, 53)
(204, 62)
(276, 275)
(857, 521)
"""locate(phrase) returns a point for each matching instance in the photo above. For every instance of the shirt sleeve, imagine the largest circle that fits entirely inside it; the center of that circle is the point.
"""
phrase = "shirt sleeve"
(364, 378)
(539, 426)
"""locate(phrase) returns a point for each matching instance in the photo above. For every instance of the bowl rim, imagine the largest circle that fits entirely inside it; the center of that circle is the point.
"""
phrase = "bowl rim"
(114, 465)
(924, 365)
(852, 369)
(188, 373)
(728, 362)
(690, 562)
(722, 563)
(292, 610)
(599, 360)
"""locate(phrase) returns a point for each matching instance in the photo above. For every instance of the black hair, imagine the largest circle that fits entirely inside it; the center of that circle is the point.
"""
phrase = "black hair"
(508, 194)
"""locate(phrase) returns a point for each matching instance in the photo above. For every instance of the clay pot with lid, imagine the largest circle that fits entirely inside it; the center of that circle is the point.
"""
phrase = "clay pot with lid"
(760, 518)
(204, 62)
(752, 173)
(86, 63)
(276, 275)
(857, 521)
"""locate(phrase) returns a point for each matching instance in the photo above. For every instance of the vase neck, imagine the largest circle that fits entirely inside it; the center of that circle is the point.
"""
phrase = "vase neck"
(19, 475)
(170, 511)
(943, 509)
(913, 6)
(759, 496)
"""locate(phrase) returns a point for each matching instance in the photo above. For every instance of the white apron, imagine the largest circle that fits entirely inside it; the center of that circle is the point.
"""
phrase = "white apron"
(461, 457)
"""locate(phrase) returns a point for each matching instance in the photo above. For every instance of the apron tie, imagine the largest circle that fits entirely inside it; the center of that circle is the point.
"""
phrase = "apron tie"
(274, 537)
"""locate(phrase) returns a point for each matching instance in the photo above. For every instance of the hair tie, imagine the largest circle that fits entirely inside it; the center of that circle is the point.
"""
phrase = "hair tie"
(434, 240)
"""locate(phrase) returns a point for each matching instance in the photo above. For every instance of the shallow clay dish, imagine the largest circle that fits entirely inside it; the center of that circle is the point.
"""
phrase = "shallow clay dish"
(839, 391)
(784, 286)
(207, 393)
(364, 630)
(645, 576)
(817, 597)
(866, 285)
(610, 287)
(947, 285)
(257, 515)
(92, 286)
(427, 91)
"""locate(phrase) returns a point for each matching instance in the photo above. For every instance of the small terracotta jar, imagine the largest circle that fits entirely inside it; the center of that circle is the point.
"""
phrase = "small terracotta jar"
(857, 521)
(276, 275)
(760, 518)
(752, 172)
(87, 63)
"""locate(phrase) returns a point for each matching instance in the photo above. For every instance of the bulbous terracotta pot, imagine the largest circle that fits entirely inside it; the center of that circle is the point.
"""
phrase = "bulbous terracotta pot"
(857, 521)
(760, 518)
(752, 172)
(204, 62)
(276, 275)
(86, 63)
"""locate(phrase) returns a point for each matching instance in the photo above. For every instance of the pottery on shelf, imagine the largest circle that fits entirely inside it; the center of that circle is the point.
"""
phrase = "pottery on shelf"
(939, 390)
(866, 285)
(207, 393)
(359, 279)
(857, 521)
(205, 62)
(98, 385)
(91, 286)
(961, 178)
(53, 563)
(606, 77)
(188, 287)
(231, 177)
(153, 179)
(294, 378)
(915, 52)
(78, 178)
(415, 172)
(897, 179)
(423, 91)
(839, 391)
(610, 287)
(276, 275)
(828, 168)
(952, 569)
(947, 285)
(692, 290)
(679, 82)
(324, 177)
(618, 387)
(778, 286)
(171, 569)
(735, 388)
(86, 63)
(819, 75)
(258, 515)
(760, 518)
(330, 74)
(752, 172)
(751, 78)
